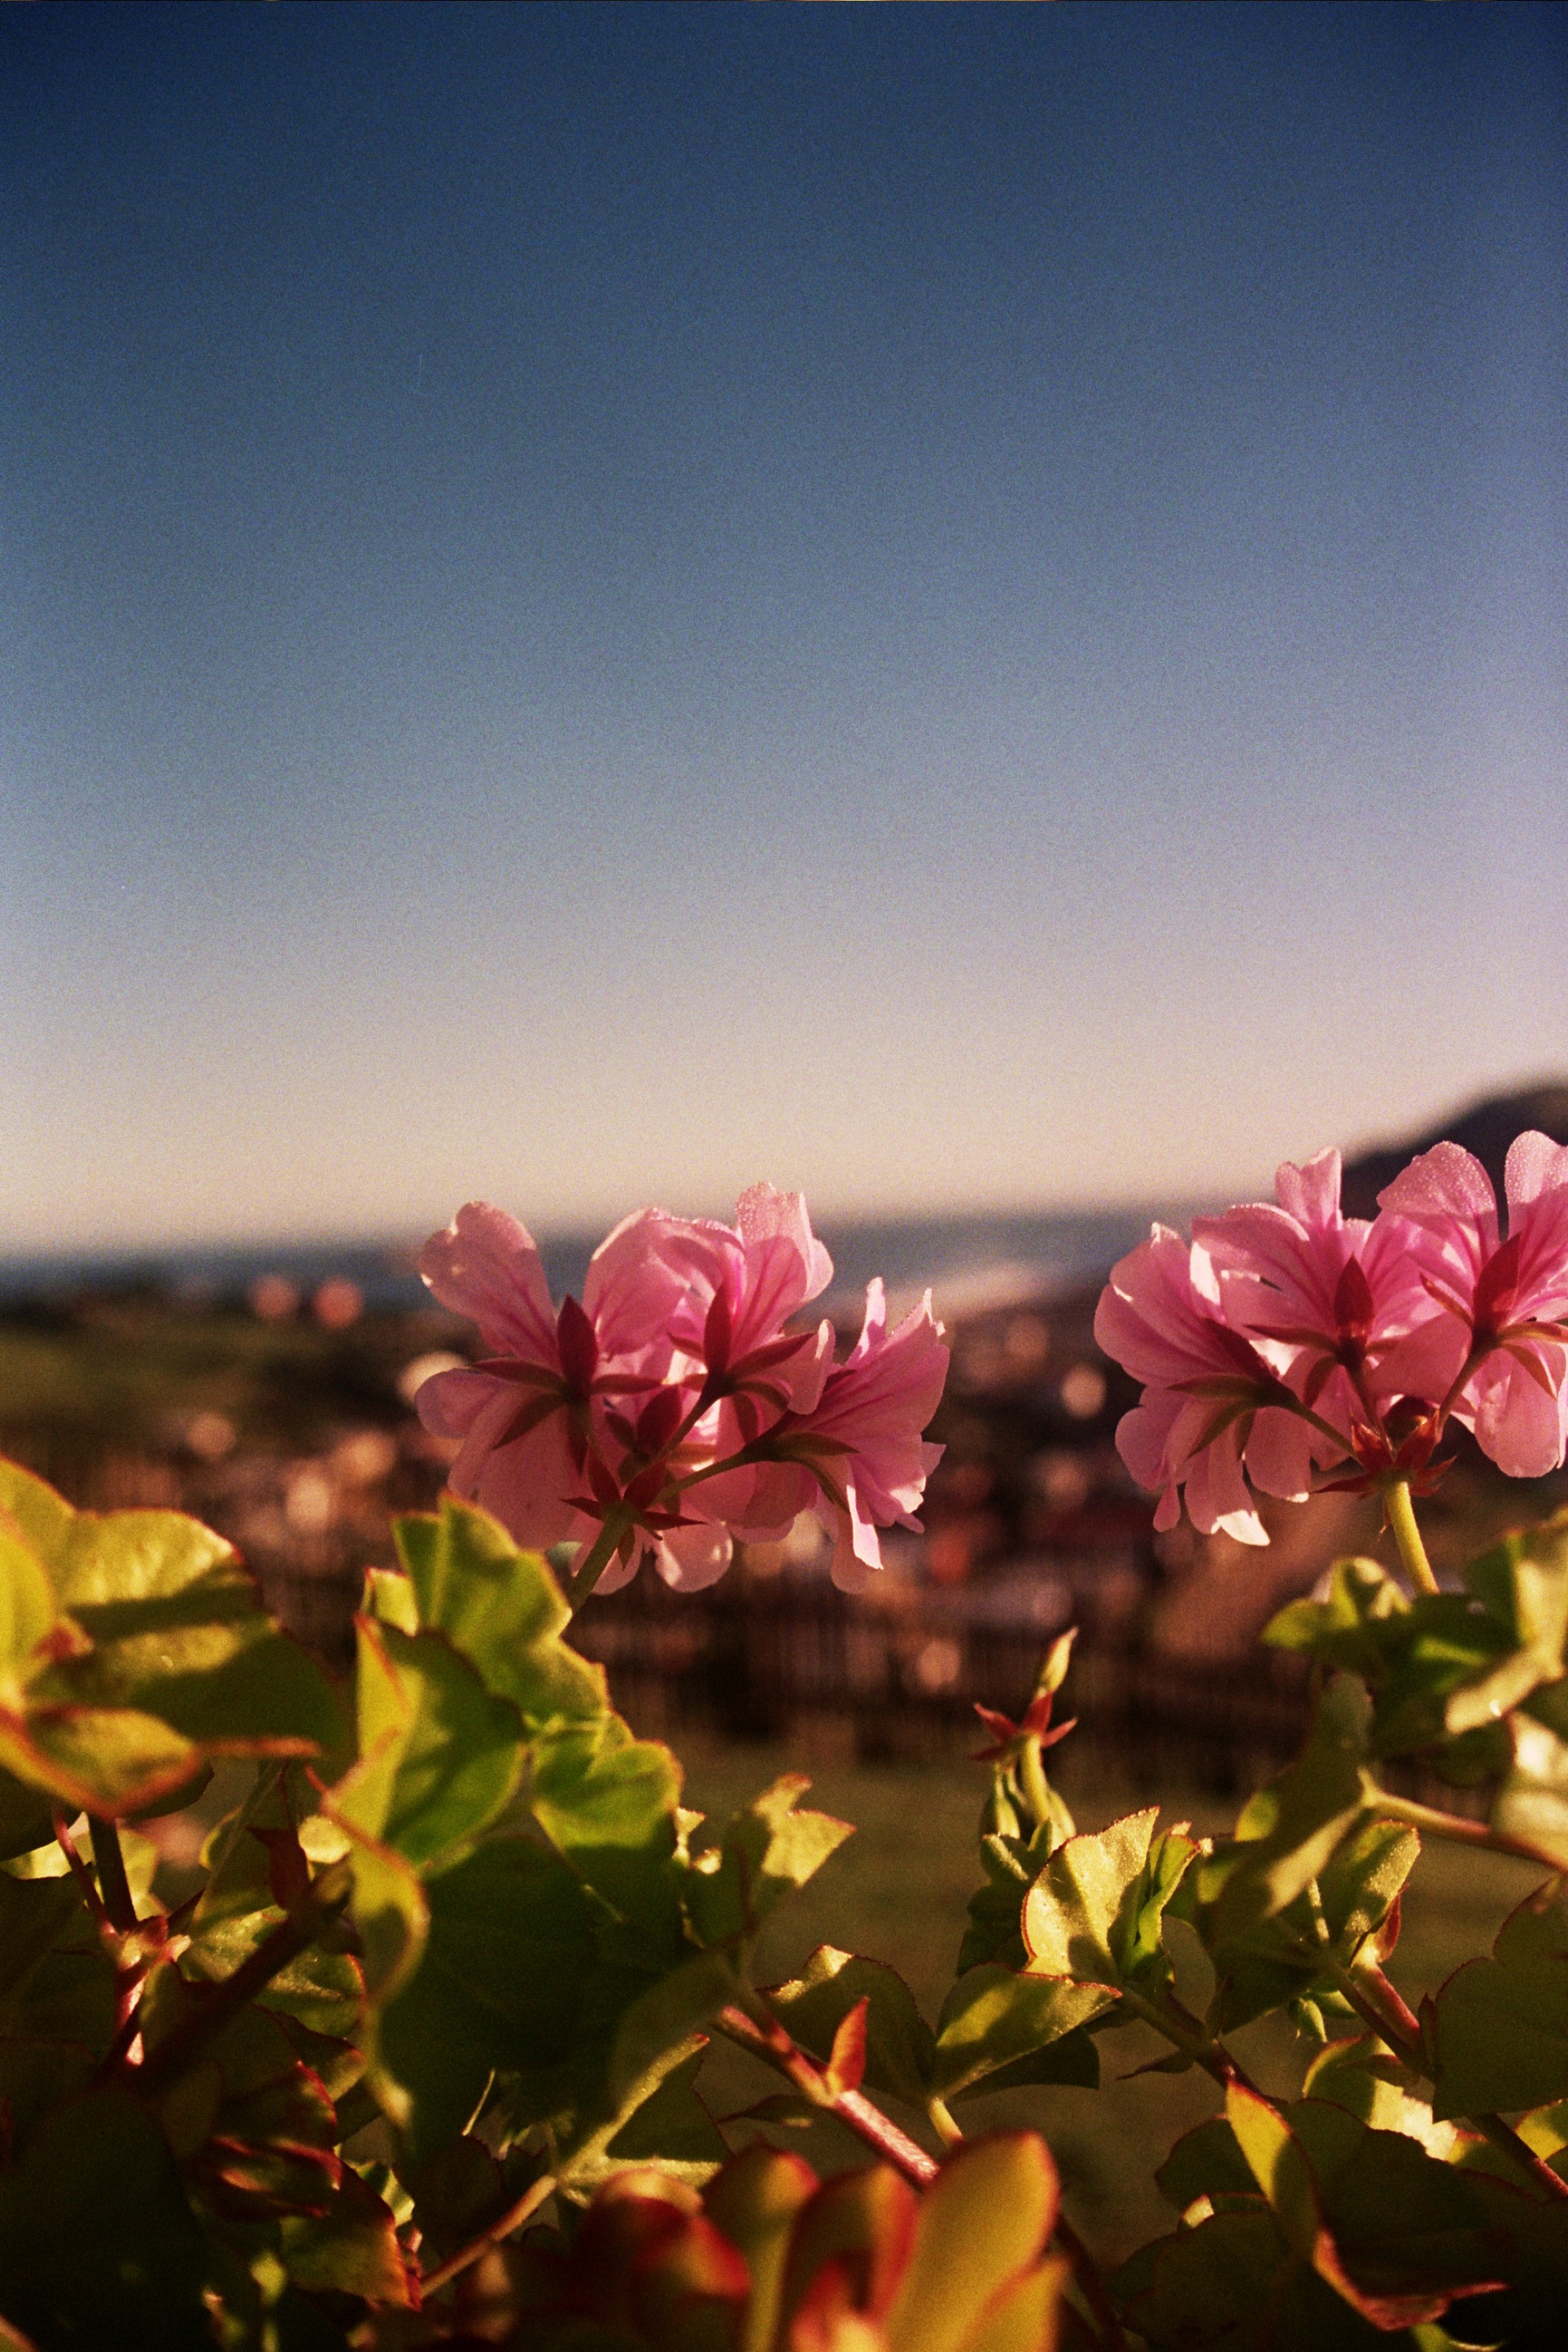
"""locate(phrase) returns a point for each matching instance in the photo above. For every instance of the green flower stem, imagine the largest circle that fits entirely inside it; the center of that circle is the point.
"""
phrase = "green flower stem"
(767, 2039)
(1381, 2005)
(600, 1554)
(1408, 1535)
(941, 2122)
(526, 2207)
(1032, 1779)
(1460, 1832)
(320, 1905)
(1165, 2013)
(118, 1908)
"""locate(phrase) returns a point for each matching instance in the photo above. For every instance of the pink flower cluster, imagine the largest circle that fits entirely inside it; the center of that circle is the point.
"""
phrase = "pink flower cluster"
(676, 1402)
(1287, 1340)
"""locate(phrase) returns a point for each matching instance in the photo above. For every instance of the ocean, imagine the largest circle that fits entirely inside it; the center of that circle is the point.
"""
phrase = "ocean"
(968, 1261)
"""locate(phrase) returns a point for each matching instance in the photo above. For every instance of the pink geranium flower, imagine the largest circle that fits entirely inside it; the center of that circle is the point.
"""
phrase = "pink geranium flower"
(1329, 1301)
(530, 1416)
(1505, 1300)
(858, 1457)
(743, 1284)
(673, 1400)
(1215, 1412)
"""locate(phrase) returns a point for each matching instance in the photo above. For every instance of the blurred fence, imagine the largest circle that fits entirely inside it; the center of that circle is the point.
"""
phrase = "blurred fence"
(773, 1652)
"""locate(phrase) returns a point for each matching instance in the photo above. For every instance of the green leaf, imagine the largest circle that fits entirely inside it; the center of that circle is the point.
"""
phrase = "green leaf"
(767, 1850)
(1397, 2234)
(390, 1599)
(996, 1911)
(1522, 1581)
(1081, 1915)
(663, 2019)
(1353, 1627)
(1279, 2166)
(165, 1623)
(27, 1607)
(1407, 2232)
(1450, 1644)
(608, 1804)
(27, 1818)
(755, 2202)
(459, 2192)
(1363, 2076)
(442, 1756)
(899, 2046)
(97, 2245)
(1212, 2288)
(995, 2018)
(1499, 2026)
(1291, 1830)
(350, 2248)
(35, 2077)
(502, 1609)
(1532, 1801)
(672, 2129)
(1286, 1956)
(35, 1915)
(1208, 2161)
(511, 1980)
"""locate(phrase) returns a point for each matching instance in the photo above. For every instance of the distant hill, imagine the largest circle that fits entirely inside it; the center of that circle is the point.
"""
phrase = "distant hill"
(1487, 1129)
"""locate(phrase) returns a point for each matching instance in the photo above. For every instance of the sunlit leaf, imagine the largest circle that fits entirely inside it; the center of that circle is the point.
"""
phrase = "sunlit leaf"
(899, 2045)
(995, 2018)
(1499, 2026)
(501, 1608)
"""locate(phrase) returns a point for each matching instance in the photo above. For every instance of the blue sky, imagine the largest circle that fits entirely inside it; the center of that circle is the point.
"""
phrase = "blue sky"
(955, 606)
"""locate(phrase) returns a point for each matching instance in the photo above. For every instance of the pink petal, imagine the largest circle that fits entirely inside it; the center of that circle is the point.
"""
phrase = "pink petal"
(485, 1266)
(1517, 1421)
(1279, 1456)
(762, 1215)
(691, 1558)
(1447, 1182)
(633, 1284)
(1535, 1165)
(1311, 1193)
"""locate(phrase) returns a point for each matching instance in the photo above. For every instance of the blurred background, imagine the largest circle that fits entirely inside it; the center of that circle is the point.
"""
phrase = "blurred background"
(962, 609)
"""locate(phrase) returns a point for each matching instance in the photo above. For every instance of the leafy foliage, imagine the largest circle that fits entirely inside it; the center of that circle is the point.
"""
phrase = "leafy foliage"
(457, 1951)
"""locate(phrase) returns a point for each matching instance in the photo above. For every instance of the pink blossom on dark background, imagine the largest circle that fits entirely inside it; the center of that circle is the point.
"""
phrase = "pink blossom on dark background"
(677, 1395)
(1503, 1301)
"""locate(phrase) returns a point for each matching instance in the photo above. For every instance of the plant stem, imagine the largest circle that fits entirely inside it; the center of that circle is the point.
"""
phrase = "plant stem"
(526, 2207)
(1407, 1535)
(1455, 1827)
(768, 2041)
(1031, 1780)
(601, 1552)
(941, 2122)
(118, 1908)
(79, 1869)
(1165, 2013)
(1090, 2285)
(325, 1900)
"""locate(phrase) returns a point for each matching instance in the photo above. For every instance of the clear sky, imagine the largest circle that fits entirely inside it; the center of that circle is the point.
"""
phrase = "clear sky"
(958, 606)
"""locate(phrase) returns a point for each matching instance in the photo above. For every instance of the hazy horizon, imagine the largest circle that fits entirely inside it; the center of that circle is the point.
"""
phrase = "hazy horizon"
(962, 609)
